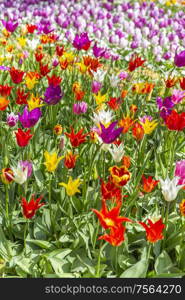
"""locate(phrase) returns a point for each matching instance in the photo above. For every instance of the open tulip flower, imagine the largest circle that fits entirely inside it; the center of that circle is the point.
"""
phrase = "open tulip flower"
(116, 235)
(30, 208)
(154, 231)
(110, 218)
(52, 161)
(23, 137)
(170, 188)
(92, 117)
(76, 138)
(72, 186)
(110, 134)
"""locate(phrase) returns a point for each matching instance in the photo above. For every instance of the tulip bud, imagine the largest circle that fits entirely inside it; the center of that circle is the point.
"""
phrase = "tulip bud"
(12, 119)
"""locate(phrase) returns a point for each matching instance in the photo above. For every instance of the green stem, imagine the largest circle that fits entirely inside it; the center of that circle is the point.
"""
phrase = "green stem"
(49, 198)
(7, 203)
(96, 235)
(166, 223)
(149, 251)
(71, 207)
(90, 169)
(116, 258)
(99, 262)
(182, 238)
(25, 233)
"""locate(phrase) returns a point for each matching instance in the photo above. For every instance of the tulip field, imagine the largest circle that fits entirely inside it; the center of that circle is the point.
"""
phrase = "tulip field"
(92, 139)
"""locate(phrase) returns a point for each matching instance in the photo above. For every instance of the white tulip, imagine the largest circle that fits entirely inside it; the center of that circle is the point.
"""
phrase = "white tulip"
(103, 117)
(114, 80)
(117, 152)
(99, 75)
(170, 188)
(19, 176)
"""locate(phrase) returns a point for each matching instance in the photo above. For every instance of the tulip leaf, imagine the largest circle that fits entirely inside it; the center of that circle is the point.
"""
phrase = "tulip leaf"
(39, 178)
(138, 270)
(163, 263)
(42, 244)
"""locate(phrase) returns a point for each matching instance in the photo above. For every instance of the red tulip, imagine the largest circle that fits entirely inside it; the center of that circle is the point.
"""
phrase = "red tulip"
(154, 230)
(30, 208)
(23, 137)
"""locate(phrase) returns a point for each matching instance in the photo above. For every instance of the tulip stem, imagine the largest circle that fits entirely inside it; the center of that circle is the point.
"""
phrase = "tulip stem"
(96, 235)
(25, 233)
(99, 262)
(149, 251)
(7, 204)
(91, 167)
(116, 258)
(181, 254)
(50, 206)
(166, 222)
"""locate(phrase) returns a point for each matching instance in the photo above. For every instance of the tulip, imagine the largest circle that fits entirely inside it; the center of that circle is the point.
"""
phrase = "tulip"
(12, 119)
(180, 171)
(79, 108)
(20, 174)
(72, 186)
(117, 152)
(52, 161)
(170, 188)
(29, 118)
(179, 59)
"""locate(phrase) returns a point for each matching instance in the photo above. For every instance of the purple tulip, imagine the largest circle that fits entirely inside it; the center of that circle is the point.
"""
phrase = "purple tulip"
(26, 164)
(44, 28)
(55, 63)
(98, 52)
(53, 95)
(165, 106)
(179, 59)
(29, 118)
(171, 37)
(4, 68)
(12, 119)
(178, 96)
(134, 45)
(123, 75)
(96, 86)
(9, 25)
(82, 41)
(79, 108)
(166, 55)
(110, 134)
(180, 171)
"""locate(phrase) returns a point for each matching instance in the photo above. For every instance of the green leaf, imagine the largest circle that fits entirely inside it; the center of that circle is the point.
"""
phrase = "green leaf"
(60, 275)
(59, 265)
(40, 230)
(5, 248)
(163, 263)
(168, 275)
(59, 253)
(139, 270)
(85, 239)
(39, 178)
(42, 244)
(87, 262)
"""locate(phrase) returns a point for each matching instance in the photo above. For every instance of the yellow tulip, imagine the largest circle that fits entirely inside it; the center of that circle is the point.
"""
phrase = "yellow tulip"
(69, 56)
(100, 98)
(71, 186)
(82, 67)
(21, 41)
(34, 102)
(149, 126)
(52, 161)
(30, 82)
